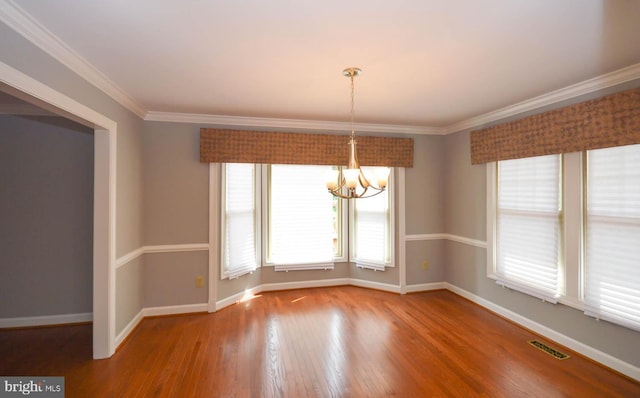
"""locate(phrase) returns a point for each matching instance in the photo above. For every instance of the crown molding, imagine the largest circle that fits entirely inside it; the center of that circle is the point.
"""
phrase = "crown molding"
(294, 124)
(611, 79)
(27, 26)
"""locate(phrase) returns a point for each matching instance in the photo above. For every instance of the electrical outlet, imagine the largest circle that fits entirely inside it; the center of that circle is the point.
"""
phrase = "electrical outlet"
(199, 281)
(425, 264)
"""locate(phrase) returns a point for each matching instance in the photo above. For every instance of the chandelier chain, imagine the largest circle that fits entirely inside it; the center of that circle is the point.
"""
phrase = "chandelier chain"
(352, 106)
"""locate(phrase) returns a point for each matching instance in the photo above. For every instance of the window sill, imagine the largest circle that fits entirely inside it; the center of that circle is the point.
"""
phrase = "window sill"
(527, 290)
(303, 267)
(370, 265)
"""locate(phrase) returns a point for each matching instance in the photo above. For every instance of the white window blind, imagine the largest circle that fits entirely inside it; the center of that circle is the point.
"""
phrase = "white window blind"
(528, 225)
(240, 254)
(372, 232)
(612, 266)
(301, 218)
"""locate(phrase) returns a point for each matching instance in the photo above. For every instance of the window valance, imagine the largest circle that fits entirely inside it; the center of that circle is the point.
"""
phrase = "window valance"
(613, 120)
(240, 146)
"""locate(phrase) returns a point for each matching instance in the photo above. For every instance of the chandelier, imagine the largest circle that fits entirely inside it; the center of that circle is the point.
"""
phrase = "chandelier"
(351, 183)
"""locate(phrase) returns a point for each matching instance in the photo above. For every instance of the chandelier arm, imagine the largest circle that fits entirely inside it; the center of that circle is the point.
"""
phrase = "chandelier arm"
(363, 180)
(377, 192)
(352, 192)
(352, 195)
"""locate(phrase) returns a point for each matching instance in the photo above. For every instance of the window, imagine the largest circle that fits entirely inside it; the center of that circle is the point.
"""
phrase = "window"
(239, 215)
(371, 229)
(612, 242)
(568, 230)
(528, 216)
(283, 216)
(300, 218)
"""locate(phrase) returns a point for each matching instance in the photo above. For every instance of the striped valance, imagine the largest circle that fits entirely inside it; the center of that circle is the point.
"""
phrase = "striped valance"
(613, 120)
(239, 146)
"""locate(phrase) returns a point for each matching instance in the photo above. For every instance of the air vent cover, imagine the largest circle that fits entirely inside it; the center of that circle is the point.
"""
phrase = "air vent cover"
(551, 351)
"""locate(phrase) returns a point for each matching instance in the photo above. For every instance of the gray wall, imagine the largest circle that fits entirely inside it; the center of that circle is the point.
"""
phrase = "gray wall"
(425, 206)
(431, 251)
(176, 185)
(424, 195)
(176, 211)
(130, 293)
(466, 265)
(46, 208)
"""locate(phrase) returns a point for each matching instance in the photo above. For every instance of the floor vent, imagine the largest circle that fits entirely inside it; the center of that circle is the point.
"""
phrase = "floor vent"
(551, 351)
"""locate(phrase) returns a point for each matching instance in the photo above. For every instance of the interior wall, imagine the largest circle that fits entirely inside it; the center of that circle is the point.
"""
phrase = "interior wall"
(424, 193)
(419, 252)
(466, 265)
(46, 208)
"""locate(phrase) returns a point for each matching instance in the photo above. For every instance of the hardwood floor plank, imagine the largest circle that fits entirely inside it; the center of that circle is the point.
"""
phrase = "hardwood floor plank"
(326, 342)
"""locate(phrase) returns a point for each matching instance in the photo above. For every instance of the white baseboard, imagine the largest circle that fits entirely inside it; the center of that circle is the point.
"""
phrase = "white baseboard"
(129, 328)
(375, 285)
(174, 309)
(588, 351)
(157, 311)
(425, 287)
(236, 298)
(46, 320)
(269, 287)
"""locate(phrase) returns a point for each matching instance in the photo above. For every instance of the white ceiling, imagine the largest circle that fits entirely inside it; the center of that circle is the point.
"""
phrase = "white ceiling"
(425, 63)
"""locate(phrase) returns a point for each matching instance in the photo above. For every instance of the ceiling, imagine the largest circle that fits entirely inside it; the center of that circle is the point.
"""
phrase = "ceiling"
(425, 63)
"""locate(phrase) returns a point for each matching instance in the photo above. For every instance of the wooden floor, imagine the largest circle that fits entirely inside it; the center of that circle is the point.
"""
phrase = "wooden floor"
(327, 342)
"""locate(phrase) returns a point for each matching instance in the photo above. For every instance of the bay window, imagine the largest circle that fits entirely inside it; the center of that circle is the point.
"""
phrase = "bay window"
(283, 216)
